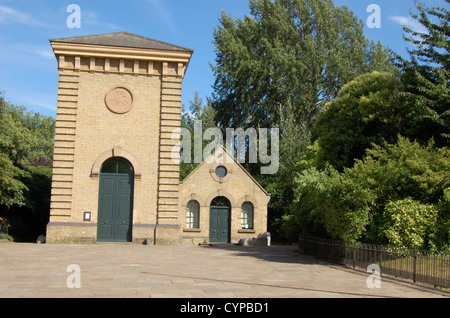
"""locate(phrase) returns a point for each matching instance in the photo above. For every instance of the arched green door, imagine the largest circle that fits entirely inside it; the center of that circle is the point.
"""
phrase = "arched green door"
(219, 220)
(115, 202)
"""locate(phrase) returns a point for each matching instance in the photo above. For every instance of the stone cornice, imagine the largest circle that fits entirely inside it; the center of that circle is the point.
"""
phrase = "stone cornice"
(86, 50)
(181, 58)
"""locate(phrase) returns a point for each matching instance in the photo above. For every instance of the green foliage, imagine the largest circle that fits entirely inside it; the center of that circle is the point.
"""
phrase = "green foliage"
(30, 219)
(432, 47)
(201, 112)
(26, 150)
(334, 203)
(431, 100)
(368, 110)
(441, 236)
(25, 137)
(277, 67)
(427, 76)
(288, 57)
(363, 202)
(11, 188)
(408, 223)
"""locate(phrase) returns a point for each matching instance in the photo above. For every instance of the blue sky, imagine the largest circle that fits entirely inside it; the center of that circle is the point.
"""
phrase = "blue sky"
(28, 73)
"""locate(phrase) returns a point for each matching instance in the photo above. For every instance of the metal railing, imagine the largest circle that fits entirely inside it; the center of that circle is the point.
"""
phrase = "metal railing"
(414, 265)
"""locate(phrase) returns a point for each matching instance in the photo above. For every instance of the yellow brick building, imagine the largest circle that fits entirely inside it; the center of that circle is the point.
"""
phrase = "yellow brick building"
(115, 177)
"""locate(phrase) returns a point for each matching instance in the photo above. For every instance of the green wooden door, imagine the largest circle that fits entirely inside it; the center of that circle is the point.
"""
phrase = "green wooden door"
(115, 207)
(219, 224)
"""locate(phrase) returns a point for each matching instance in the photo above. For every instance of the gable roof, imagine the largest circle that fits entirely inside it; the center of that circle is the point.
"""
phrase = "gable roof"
(123, 39)
(235, 161)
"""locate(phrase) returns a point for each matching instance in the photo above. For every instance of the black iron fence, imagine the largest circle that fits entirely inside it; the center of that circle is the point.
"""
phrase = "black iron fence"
(416, 266)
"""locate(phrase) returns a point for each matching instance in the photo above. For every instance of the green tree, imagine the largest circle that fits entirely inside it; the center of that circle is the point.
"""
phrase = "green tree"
(427, 75)
(368, 110)
(26, 149)
(289, 52)
(331, 204)
(277, 68)
(396, 194)
(198, 111)
(25, 137)
(11, 187)
(408, 223)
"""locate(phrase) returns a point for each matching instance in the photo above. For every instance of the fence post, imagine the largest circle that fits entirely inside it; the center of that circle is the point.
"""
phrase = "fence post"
(381, 259)
(414, 265)
(354, 255)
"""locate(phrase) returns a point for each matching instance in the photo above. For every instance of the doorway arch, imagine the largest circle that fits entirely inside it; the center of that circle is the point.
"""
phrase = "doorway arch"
(220, 220)
(115, 201)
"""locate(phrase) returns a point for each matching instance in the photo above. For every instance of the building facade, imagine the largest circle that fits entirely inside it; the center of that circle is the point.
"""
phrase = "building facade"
(115, 176)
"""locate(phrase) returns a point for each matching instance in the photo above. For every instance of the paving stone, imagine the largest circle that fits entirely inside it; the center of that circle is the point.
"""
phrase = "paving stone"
(129, 271)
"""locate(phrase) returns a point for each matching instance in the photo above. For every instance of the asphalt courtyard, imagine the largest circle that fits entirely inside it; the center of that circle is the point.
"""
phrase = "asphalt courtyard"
(225, 271)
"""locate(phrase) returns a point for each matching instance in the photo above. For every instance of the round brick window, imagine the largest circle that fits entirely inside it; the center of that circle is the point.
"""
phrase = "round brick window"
(221, 171)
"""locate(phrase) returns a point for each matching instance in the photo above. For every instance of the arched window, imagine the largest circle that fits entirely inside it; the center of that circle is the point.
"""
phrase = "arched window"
(192, 215)
(220, 201)
(247, 215)
(117, 165)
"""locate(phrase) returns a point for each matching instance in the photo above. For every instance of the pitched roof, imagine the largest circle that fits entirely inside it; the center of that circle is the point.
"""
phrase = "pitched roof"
(234, 160)
(123, 39)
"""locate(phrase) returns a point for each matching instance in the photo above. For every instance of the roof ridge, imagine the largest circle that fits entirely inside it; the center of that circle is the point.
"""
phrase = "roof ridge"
(86, 36)
(108, 40)
(234, 160)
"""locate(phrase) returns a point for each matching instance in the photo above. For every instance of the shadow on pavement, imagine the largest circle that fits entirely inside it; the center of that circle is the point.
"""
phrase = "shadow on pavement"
(273, 253)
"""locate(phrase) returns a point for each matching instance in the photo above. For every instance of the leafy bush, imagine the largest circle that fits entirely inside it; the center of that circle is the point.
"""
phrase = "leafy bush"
(394, 195)
(408, 223)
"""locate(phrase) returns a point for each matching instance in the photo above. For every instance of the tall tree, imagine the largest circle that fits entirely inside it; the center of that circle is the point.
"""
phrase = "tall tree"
(368, 110)
(427, 74)
(297, 52)
(198, 111)
(26, 150)
(279, 66)
(26, 137)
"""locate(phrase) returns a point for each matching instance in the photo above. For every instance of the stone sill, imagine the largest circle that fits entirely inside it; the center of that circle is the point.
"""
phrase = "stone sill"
(250, 231)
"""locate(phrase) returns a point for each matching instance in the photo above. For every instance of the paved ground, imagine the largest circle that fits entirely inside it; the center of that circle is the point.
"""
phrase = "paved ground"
(129, 271)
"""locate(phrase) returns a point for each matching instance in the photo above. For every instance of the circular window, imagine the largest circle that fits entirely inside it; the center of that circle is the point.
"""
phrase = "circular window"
(221, 171)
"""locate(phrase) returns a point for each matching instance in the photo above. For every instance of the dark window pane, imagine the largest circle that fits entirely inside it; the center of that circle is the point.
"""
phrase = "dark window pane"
(221, 171)
(124, 166)
(220, 201)
(117, 165)
(109, 166)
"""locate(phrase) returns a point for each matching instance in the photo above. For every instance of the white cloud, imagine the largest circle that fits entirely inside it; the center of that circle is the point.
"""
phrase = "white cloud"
(45, 52)
(41, 103)
(10, 15)
(164, 14)
(92, 18)
(21, 53)
(410, 23)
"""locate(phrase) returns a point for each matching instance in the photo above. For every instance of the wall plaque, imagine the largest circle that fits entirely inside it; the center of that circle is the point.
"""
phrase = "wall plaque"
(119, 100)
